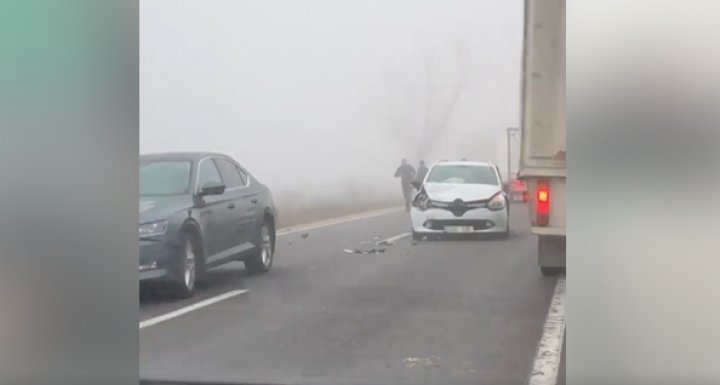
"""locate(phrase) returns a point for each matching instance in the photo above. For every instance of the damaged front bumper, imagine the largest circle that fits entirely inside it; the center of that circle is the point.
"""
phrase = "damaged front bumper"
(473, 221)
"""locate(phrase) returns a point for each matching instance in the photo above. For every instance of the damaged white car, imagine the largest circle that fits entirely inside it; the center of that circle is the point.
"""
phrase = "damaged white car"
(460, 198)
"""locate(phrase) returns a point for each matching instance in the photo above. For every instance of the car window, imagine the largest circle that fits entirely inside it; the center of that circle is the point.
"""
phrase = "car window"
(208, 173)
(243, 175)
(164, 178)
(463, 174)
(230, 174)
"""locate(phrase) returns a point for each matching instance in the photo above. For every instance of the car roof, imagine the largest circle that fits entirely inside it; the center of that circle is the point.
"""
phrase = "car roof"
(463, 163)
(191, 156)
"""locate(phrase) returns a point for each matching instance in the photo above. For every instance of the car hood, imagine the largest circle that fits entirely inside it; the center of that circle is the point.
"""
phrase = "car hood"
(448, 192)
(159, 208)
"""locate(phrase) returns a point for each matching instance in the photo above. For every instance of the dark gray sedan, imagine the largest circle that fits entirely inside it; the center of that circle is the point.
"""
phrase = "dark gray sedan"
(201, 210)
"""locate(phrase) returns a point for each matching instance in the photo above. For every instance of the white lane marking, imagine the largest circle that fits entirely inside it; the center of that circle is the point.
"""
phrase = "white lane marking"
(337, 221)
(187, 309)
(377, 243)
(549, 351)
(393, 239)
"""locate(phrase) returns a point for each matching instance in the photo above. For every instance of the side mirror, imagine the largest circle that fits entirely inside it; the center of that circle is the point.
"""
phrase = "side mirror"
(417, 184)
(212, 188)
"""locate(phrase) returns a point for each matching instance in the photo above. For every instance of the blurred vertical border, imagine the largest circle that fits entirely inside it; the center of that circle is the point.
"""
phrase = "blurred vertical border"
(642, 94)
(69, 113)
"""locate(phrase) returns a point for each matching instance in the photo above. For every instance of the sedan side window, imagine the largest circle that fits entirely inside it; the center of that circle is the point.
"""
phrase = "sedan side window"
(230, 173)
(243, 175)
(208, 173)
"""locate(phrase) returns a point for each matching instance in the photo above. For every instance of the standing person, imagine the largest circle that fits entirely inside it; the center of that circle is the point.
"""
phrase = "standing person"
(421, 171)
(406, 173)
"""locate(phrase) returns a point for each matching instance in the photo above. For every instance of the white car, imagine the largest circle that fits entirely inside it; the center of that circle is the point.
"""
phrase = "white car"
(460, 198)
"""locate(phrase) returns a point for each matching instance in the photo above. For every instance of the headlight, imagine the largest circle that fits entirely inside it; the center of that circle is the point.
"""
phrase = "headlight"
(421, 202)
(497, 202)
(153, 229)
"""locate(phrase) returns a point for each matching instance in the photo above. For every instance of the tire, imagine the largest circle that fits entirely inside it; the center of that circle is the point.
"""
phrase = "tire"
(188, 258)
(551, 255)
(550, 271)
(262, 259)
(416, 236)
(506, 234)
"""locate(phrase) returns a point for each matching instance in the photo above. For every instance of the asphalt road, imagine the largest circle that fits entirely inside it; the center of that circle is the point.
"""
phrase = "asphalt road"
(429, 312)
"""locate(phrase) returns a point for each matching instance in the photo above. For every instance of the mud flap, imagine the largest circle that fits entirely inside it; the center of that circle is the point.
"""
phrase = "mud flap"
(551, 251)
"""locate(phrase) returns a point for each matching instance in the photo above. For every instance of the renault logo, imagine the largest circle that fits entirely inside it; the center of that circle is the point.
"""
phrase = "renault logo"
(458, 207)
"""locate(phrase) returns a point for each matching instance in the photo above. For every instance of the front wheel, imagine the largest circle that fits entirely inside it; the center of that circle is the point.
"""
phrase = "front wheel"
(262, 258)
(416, 236)
(505, 234)
(184, 287)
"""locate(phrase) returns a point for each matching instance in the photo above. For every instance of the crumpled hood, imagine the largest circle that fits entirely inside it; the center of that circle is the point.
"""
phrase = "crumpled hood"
(448, 192)
(160, 208)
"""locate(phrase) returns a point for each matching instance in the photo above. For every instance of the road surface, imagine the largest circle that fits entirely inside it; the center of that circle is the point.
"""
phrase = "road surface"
(428, 312)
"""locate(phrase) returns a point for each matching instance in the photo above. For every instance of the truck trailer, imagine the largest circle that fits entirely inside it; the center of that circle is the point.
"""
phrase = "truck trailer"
(543, 147)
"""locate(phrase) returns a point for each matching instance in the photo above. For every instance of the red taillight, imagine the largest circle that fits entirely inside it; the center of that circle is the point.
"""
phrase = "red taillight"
(543, 196)
(542, 203)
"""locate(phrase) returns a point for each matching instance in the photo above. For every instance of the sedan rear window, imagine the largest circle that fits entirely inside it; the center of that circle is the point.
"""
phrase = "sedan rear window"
(164, 178)
(463, 174)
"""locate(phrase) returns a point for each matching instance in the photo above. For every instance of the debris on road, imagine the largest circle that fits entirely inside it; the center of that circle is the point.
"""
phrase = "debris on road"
(385, 243)
(371, 251)
(375, 249)
(412, 362)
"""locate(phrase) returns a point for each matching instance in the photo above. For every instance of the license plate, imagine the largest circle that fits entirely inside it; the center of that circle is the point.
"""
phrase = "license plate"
(458, 229)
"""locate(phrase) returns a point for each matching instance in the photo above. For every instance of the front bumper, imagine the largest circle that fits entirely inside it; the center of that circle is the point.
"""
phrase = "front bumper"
(158, 260)
(483, 220)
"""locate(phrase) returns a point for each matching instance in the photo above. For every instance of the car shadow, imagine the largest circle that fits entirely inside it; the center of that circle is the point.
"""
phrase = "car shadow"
(216, 281)
(469, 237)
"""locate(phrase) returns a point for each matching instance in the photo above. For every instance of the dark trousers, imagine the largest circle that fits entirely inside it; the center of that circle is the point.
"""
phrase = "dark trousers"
(407, 189)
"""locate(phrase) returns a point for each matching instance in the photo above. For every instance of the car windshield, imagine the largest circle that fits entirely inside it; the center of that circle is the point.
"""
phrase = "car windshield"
(463, 174)
(164, 178)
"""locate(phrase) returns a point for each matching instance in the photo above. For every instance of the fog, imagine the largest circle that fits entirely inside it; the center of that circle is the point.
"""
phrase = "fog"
(325, 96)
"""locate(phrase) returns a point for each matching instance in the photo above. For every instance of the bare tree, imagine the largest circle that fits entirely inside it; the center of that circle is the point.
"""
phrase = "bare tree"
(435, 128)
(432, 108)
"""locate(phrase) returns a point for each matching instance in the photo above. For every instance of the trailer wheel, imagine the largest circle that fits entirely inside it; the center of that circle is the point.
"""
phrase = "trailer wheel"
(551, 255)
(551, 271)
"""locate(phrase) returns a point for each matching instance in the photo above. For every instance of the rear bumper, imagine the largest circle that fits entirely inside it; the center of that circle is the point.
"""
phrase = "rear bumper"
(516, 196)
(550, 231)
(484, 221)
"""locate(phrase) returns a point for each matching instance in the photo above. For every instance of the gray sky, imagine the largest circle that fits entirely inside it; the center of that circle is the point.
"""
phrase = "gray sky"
(321, 94)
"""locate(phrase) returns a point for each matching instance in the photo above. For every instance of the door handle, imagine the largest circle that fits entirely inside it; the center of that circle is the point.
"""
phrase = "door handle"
(231, 205)
(254, 200)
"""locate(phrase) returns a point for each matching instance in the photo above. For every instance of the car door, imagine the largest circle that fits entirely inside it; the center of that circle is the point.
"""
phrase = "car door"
(251, 200)
(242, 234)
(215, 213)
